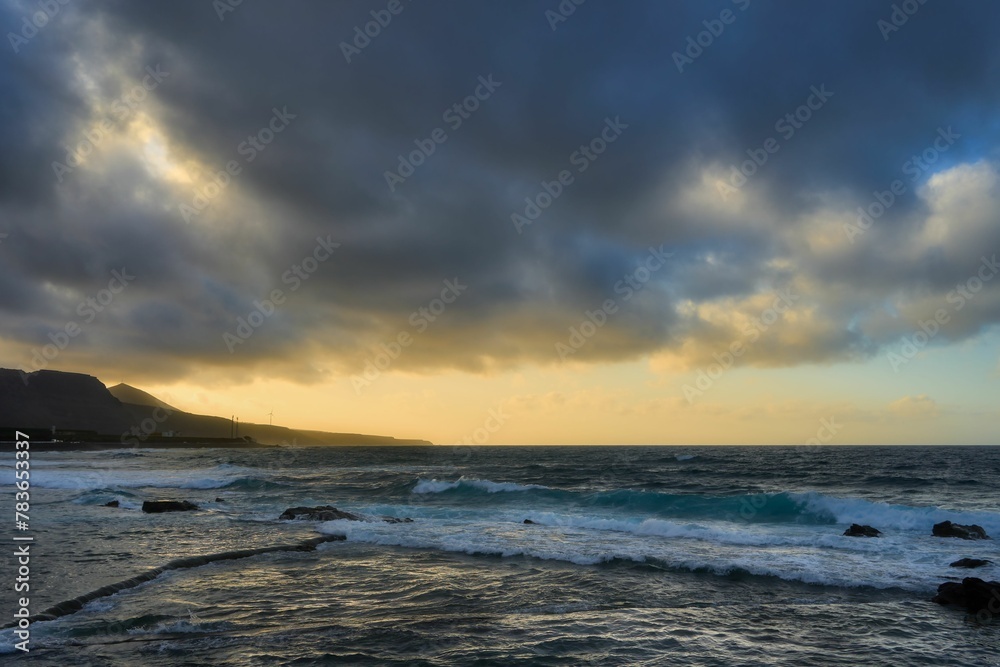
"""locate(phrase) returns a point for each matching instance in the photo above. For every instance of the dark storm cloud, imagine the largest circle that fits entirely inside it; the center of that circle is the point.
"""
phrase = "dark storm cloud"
(323, 175)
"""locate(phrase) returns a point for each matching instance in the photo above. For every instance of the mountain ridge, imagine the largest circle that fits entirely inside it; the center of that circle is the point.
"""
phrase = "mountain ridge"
(77, 402)
(126, 393)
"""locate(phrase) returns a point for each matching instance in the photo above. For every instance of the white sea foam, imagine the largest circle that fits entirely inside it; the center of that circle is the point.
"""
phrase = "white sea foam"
(891, 517)
(92, 479)
(184, 626)
(436, 486)
(746, 535)
(806, 553)
(123, 503)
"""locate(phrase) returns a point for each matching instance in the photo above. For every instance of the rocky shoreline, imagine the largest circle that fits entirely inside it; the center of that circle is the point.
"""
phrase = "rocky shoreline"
(976, 596)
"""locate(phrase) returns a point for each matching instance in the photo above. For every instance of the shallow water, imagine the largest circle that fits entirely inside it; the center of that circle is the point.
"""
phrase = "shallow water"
(639, 555)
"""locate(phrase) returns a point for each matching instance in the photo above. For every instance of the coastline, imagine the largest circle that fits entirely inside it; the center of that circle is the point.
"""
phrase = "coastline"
(207, 443)
(101, 445)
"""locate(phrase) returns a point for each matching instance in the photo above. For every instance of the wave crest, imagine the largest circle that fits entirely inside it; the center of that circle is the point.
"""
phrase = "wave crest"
(462, 483)
(810, 508)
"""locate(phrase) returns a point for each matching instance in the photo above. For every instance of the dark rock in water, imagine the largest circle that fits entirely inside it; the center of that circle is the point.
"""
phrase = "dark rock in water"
(320, 513)
(857, 530)
(157, 506)
(113, 503)
(220, 500)
(949, 529)
(970, 562)
(330, 513)
(529, 522)
(975, 595)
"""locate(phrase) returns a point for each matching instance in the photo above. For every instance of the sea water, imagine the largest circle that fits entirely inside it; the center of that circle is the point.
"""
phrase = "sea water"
(634, 555)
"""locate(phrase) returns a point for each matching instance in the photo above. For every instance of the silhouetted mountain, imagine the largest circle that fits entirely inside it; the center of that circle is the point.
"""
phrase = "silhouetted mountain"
(44, 399)
(129, 394)
(76, 402)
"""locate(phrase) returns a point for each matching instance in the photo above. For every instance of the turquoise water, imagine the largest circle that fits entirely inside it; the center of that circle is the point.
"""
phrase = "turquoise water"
(637, 555)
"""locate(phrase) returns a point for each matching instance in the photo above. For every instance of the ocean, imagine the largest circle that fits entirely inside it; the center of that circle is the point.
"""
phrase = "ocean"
(636, 556)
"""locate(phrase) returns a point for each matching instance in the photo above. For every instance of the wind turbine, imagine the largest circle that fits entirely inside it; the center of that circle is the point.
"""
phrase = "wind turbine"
(270, 418)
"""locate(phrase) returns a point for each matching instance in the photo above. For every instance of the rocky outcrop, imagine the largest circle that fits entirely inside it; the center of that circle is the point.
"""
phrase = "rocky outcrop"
(330, 513)
(949, 529)
(529, 522)
(320, 513)
(112, 503)
(974, 595)
(857, 530)
(158, 506)
(970, 562)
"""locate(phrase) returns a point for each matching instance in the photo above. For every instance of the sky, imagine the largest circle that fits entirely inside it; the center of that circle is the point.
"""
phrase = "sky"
(720, 222)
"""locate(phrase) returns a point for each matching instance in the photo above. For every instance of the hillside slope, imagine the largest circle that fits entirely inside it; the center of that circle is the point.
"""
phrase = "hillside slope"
(129, 394)
(44, 399)
(78, 402)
